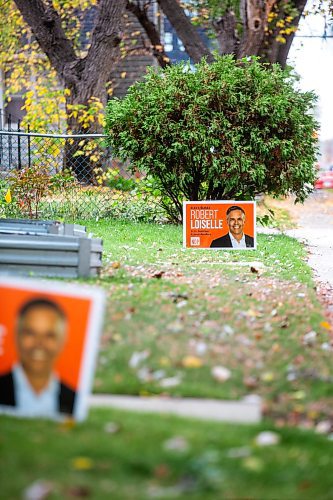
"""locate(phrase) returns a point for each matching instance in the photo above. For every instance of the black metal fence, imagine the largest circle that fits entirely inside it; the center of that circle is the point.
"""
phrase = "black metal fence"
(77, 153)
(83, 179)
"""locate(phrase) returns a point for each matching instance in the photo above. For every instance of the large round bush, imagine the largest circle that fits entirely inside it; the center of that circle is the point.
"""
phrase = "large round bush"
(227, 130)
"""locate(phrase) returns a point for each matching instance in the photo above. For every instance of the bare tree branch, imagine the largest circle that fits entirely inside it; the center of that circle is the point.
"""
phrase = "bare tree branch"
(151, 31)
(225, 30)
(185, 30)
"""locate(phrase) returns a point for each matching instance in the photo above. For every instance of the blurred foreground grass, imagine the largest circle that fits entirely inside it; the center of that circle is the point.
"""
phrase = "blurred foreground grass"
(122, 455)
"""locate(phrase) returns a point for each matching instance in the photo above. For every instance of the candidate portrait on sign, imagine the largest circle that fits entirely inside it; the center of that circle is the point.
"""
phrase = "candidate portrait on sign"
(31, 386)
(235, 238)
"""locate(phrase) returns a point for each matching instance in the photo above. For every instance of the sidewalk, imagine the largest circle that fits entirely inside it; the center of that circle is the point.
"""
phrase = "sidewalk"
(315, 228)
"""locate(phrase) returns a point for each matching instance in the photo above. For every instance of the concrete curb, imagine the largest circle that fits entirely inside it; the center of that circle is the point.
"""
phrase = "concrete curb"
(246, 411)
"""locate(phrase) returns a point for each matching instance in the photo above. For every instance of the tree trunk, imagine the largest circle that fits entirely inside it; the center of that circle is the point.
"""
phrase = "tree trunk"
(273, 51)
(87, 76)
(76, 154)
(254, 15)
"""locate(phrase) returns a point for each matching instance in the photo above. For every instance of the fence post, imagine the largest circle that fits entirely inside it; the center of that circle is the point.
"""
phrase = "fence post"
(10, 142)
(29, 147)
(84, 257)
(1, 145)
(19, 146)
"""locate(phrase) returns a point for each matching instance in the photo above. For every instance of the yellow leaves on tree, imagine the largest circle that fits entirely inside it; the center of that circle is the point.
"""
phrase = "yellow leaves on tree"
(28, 71)
(87, 115)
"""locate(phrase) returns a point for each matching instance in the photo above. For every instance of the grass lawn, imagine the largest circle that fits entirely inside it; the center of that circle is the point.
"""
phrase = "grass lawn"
(175, 315)
(161, 457)
(172, 317)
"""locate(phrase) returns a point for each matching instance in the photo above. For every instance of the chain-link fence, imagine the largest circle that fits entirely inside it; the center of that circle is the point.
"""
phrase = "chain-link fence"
(70, 176)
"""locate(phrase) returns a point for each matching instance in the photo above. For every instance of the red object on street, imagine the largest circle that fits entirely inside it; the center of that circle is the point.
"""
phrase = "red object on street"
(324, 181)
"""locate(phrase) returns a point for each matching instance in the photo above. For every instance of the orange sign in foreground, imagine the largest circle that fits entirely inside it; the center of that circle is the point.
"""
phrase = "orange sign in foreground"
(219, 224)
(49, 335)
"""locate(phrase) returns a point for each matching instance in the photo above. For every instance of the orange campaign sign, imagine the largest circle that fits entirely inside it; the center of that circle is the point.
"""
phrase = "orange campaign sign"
(49, 335)
(228, 225)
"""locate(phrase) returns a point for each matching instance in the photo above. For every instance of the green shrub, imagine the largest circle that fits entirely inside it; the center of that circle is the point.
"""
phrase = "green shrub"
(228, 130)
(114, 180)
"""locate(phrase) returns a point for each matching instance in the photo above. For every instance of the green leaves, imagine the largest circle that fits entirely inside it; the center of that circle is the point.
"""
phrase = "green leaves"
(230, 129)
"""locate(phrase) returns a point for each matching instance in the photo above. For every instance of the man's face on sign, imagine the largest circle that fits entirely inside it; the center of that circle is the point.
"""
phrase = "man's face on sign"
(236, 220)
(40, 339)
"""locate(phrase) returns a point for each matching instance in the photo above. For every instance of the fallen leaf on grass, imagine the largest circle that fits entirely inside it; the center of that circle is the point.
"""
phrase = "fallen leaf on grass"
(242, 452)
(175, 326)
(177, 297)
(111, 427)
(304, 485)
(251, 313)
(267, 377)
(298, 395)
(228, 330)
(158, 275)
(79, 491)
(161, 471)
(250, 382)
(200, 348)
(181, 304)
(116, 337)
(82, 463)
(310, 338)
(67, 425)
(164, 361)
(158, 374)
(192, 362)
(253, 464)
(137, 358)
(170, 381)
(325, 324)
(176, 443)
(267, 438)
(284, 322)
(220, 373)
(144, 374)
(276, 347)
(323, 427)
(39, 490)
